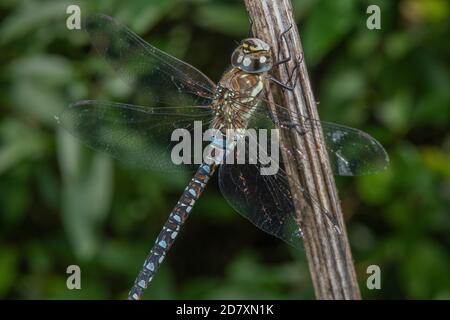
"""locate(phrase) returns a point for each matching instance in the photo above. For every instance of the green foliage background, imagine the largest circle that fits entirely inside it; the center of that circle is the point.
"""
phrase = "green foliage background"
(62, 204)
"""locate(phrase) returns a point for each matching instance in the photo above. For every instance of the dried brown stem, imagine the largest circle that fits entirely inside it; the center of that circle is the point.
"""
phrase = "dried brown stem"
(328, 252)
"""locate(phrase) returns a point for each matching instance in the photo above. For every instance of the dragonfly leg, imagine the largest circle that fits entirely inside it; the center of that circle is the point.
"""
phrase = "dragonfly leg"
(292, 79)
(280, 40)
(290, 125)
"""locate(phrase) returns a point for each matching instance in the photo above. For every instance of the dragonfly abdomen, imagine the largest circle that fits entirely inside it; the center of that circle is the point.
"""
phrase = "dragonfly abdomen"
(171, 228)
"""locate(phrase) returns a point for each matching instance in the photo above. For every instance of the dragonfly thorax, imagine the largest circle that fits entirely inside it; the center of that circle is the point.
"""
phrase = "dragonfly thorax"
(235, 99)
(236, 94)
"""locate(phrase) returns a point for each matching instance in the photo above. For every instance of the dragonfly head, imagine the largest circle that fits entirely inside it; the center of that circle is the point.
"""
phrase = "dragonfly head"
(253, 56)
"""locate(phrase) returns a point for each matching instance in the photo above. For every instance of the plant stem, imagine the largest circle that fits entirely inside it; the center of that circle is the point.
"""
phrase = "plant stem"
(328, 251)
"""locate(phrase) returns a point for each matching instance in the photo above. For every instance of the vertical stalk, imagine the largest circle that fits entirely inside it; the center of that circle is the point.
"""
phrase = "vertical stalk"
(328, 252)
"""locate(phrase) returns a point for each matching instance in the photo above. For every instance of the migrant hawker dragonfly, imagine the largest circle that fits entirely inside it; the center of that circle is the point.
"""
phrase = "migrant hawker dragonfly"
(180, 95)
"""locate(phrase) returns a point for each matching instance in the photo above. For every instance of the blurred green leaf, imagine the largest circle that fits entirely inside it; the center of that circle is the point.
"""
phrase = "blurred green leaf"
(375, 189)
(364, 42)
(8, 269)
(28, 16)
(51, 70)
(423, 270)
(398, 45)
(86, 195)
(225, 18)
(326, 27)
(142, 15)
(37, 100)
(344, 85)
(431, 10)
(437, 161)
(19, 142)
(396, 113)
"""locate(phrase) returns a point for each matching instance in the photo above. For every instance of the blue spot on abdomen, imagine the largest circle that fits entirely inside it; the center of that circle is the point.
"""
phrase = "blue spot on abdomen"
(150, 266)
(162, 244)
(206, 168)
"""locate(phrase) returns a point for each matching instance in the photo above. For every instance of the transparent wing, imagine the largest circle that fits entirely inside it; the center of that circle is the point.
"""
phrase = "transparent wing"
(138, 136)
(259, 189)
(149, 70)
(352, 152)
(265, 200)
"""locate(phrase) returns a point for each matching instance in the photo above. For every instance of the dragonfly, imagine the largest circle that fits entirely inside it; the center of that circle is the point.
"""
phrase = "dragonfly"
(180, 95)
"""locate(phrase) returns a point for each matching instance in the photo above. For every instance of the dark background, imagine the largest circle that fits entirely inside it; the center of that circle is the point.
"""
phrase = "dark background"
(62, 204)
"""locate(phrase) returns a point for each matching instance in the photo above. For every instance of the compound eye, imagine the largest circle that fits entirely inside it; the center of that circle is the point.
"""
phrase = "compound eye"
(236, 58)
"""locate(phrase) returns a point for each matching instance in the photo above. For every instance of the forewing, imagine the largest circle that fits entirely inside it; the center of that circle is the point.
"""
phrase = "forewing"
(147, 69)
(138, 136)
